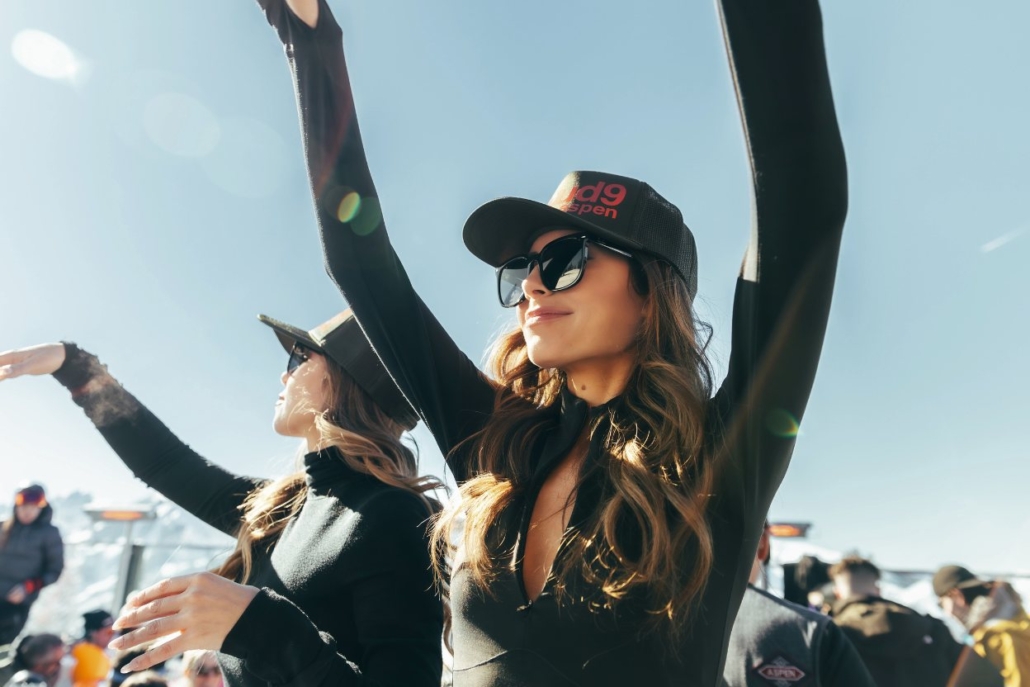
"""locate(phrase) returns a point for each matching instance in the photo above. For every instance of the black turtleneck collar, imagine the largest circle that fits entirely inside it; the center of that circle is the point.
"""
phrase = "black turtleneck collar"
(326, 468)
(577, 410)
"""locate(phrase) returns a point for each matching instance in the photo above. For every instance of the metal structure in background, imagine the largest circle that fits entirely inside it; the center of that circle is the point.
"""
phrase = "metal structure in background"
(129, 516)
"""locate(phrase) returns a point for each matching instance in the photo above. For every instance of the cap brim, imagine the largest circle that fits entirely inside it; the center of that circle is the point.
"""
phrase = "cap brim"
(289, 335)
(501, 229)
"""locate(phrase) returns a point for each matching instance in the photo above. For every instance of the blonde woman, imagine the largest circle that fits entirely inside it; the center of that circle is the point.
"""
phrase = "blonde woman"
(330, 581)
(611, 502)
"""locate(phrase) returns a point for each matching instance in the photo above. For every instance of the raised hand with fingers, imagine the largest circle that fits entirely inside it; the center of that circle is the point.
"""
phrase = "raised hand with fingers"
(43, 359)
(200, 609)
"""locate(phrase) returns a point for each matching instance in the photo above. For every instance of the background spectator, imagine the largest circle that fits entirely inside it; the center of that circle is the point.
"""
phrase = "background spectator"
(993, 614)
(37, 661)
(92, 665)
(31, 557)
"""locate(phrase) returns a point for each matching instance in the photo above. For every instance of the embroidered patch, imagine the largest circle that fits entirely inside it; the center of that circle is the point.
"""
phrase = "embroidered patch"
(781, 672)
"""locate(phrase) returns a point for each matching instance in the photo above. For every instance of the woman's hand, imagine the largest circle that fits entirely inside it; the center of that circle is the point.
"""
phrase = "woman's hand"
(44, 359)
(200, 609)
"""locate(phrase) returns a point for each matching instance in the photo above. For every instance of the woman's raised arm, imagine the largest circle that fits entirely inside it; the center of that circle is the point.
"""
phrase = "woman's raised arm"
(144, 443)
(799, 183)
(450, 394)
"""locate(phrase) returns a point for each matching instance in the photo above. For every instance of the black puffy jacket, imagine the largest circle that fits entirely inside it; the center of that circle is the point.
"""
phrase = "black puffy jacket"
(33, 555)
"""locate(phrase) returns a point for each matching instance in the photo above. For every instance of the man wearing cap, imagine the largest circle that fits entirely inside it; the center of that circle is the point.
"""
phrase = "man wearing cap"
(31, 557)
(993, 614)
(92, 664)
(899, 645)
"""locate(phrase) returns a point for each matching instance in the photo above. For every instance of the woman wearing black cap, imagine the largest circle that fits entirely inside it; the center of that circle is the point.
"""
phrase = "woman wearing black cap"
(611, 504)
(330, 581)
(31, 557)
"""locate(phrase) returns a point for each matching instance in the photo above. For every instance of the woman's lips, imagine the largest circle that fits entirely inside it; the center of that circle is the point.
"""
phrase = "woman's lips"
(542, 315)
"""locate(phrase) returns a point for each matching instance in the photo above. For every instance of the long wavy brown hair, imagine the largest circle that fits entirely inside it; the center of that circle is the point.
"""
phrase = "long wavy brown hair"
(649, 533)
(370, 443)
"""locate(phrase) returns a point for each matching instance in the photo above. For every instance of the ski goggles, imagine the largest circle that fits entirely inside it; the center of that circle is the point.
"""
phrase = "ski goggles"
(31, 496)
(298, 356)
(562, 263)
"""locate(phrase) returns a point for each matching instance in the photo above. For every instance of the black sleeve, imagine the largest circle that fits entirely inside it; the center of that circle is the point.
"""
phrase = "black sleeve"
(53, 557)
(398, 616)
(839, 662)
(799, 185)
(450, 394)
(149, 449)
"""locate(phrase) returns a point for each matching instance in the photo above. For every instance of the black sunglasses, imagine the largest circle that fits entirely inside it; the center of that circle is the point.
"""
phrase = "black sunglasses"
(562, 263)
(298, 356)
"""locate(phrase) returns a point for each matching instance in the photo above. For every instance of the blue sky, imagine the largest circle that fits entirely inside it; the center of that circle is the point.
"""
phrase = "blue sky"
(154, 203)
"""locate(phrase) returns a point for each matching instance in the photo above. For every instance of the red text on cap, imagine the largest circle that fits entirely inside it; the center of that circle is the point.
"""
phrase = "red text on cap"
(600, 199)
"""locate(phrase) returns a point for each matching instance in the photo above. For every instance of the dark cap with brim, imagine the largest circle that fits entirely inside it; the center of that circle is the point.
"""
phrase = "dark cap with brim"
(954, 577)
(626, 212)
(97, 620)
(342, 340)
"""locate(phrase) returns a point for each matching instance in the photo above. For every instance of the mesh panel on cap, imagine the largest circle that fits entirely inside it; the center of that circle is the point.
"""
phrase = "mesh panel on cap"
(659, 227)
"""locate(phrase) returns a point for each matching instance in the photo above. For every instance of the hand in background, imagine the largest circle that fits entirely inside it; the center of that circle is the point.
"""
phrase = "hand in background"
(44, 359)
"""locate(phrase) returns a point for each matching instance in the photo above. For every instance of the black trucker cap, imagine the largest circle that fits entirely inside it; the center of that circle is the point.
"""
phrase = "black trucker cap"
(628, 213)
(342, 340)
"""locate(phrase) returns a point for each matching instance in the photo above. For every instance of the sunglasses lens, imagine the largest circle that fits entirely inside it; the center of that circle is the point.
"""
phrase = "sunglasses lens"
(509, 281)
(297, 358)
(562, 262)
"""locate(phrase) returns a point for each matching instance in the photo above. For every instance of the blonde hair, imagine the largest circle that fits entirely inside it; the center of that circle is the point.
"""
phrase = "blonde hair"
(656, 482)
(369, 442)
(194, 658)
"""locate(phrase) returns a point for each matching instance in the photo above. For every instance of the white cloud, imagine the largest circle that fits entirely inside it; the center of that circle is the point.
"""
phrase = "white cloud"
(997, 243)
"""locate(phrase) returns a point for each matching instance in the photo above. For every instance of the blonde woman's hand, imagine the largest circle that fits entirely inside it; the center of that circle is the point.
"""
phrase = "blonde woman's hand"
(44, 359)
(197, 611)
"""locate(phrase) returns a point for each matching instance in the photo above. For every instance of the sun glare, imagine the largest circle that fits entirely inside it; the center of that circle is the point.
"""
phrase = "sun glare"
(44, 55)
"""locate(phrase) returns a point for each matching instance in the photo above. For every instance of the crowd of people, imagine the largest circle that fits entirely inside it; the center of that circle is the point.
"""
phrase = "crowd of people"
(840, 633)
(839, 630)
(31, 558)
(608, 526)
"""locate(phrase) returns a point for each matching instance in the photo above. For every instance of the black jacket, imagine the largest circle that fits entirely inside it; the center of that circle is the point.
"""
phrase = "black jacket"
(33, 556)
(775, 640)
(779, 319)
(899, 645)
(347, 594)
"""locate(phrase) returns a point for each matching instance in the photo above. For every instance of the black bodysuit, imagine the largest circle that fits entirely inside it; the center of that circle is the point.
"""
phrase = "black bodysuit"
(779, 318)
(347, 595)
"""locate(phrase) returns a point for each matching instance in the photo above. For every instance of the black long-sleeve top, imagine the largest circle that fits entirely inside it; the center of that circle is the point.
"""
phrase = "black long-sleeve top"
(779, 318)
(347, 594)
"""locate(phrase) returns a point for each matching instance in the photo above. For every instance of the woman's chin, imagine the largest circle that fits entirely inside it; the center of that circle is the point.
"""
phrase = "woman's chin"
(546, 357)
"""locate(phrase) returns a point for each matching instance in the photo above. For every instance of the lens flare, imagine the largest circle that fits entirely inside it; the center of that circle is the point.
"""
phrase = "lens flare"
(44, 55)
(782, 424)
(369, 217)
(349, 207)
